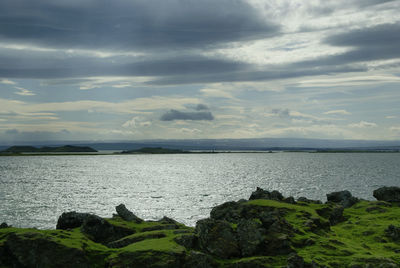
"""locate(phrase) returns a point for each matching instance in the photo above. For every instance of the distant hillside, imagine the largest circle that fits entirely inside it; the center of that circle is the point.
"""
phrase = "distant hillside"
(154, 150)
(47, 149)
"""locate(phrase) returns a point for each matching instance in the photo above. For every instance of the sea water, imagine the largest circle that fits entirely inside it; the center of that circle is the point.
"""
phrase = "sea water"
(35, 190)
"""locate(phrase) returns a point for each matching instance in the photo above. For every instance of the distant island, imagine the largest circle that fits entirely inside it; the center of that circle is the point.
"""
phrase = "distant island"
(155, 150)
(48, 149)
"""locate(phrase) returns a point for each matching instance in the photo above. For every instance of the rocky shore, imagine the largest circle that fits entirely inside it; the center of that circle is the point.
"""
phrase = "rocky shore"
(268, 230)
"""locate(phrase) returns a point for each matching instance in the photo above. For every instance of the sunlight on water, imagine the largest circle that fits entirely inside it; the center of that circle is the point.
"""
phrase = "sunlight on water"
(34, 191)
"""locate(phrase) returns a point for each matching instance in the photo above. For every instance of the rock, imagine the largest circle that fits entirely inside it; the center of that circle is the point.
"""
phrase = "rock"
(263, 194)
(218, 238)
(196, 259)
(306, 200)
(4, 225)
(127, 215)
(161, 227)
(393, 232)
(189, 241)
(375, 209)
(277, 244)
(289, 200)
(334, 213)
(167, 220)
(343, 197)
(70, 220)
(101, 231)
(250, 237)
(39, 250)
(229, 211)
(130, 240)
(295, 261)
(388, 194)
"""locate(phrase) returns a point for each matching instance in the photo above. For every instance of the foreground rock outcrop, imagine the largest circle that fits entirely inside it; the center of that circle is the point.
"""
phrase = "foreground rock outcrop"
(268, 230)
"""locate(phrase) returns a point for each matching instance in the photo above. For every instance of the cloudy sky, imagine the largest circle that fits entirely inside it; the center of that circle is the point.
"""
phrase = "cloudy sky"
(150, 69)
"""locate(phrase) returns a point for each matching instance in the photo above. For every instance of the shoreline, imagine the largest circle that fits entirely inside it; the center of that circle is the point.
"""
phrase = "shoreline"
(267, 230)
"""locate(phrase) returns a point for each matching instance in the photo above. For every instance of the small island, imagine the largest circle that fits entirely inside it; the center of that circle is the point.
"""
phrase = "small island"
(48, 149)
(267, 230)
(154, 150)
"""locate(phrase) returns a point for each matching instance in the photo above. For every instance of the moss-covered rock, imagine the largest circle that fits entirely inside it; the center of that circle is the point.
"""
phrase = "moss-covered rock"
(253, 233)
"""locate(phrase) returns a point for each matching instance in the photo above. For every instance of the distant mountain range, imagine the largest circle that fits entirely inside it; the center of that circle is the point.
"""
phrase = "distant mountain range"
(263, 144)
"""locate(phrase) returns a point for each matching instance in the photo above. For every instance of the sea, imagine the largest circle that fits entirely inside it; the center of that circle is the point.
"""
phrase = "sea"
(36, 190)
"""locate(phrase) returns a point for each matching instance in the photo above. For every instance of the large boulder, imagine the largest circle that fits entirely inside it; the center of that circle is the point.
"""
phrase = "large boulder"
(39, 250)
(70, 220)
(101, 231)
(393, 232)
(250, 237)
(332, 212)
(126, 214)
(260, 193)
(229, 211)
(197, 259)
(343, 198)
(388, 194)
(218, 238)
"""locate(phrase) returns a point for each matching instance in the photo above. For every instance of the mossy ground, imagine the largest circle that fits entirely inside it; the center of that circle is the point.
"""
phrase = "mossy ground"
(359, 239)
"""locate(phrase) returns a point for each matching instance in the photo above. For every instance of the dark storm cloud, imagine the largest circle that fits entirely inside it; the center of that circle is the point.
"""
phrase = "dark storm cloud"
(379, 36)
(269, 73)
(179, 115)
(135, 24)
(201, 107)
(47, 65)
(380, 42)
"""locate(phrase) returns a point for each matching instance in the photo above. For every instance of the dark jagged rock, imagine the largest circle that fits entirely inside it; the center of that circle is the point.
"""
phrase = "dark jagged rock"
(393, 232)
(295, 261)
(260, 193)
(306, 200)
(189, 241)
(388, 194)
(167, 220)
(101, 231)
(289, 200)
(334, 213)
(70, 220)
(39, 250)
(4, 225)
(229, 211)
(218, 238)
(250, 237)
(197, 259)
(342, 197)
(126, 214)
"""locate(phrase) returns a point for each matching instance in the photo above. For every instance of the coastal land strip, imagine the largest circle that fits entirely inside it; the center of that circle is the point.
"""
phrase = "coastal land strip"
(267, 230)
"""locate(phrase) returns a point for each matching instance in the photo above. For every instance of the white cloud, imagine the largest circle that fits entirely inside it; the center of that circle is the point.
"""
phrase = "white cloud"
(340, 112)
(24, 92)
(7, 82)
(390, 116)
(363, 124)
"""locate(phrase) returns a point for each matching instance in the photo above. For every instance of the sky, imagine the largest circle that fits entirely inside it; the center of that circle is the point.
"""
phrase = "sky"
(199, 69)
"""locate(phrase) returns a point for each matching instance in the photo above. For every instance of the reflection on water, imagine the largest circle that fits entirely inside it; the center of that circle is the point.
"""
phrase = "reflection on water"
(35, 190)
